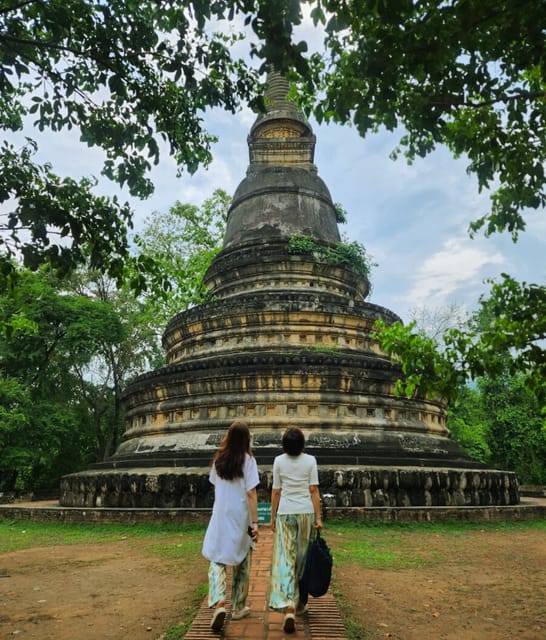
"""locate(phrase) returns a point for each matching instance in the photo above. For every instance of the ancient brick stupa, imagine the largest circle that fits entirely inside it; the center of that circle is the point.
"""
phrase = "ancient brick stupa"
(286, 340)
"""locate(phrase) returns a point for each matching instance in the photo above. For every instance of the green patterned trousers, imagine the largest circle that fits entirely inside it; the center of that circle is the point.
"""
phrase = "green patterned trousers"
(239, 583)
(292, 535)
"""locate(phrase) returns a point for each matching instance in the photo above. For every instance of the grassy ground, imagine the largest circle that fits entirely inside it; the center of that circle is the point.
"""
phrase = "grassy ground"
(142, 577)
(383, 546)
(18, 535)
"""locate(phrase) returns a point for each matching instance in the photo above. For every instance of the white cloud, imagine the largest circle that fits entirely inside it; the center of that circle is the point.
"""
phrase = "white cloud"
(456, 270)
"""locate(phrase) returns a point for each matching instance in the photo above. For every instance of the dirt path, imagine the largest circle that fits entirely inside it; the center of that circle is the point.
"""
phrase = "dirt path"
(478, 585)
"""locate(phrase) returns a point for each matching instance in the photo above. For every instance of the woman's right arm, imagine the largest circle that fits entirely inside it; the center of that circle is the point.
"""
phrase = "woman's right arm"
(315, 499)
(275, 499)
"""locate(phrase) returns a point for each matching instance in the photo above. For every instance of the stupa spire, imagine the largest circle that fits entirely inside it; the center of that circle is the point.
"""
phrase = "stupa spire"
(276, 96)
(281, 136)
(282, 194)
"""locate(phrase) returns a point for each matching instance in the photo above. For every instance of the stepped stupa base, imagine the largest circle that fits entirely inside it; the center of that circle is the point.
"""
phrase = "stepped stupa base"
(341, 486)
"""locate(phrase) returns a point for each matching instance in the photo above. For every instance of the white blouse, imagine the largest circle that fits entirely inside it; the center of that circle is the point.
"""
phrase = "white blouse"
(293, 475)
(227, 540)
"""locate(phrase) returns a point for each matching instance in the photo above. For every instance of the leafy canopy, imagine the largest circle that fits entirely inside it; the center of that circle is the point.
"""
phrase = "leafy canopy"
(136, 76)
(470, 74)
(505, 336)
(183, 243)
(73, 345)
(131, 76)
(497, 421)
(45, 429)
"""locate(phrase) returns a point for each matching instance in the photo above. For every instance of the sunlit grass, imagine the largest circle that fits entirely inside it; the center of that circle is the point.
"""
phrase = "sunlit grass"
(18, 535)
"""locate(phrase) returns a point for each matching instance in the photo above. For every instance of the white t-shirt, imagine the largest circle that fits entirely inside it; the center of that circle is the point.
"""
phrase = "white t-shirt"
(227, 540)
(293, 475)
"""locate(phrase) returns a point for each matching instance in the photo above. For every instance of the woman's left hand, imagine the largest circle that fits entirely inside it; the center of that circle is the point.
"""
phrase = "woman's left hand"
(255, 531)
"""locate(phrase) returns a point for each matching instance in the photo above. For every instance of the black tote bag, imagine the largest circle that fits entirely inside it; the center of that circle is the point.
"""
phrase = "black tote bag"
(317, 573)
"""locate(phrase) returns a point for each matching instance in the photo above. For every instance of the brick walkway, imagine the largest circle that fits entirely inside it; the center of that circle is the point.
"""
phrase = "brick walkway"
(322, 622)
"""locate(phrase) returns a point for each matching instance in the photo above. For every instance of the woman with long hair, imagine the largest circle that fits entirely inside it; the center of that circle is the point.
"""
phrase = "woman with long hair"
(295, 515)
(233, 526)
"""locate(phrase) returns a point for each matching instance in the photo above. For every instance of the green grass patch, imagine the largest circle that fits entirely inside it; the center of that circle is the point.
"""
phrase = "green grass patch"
(383, 551)
(189, 544)
(453, 528)
(18, 535)
(384, 546)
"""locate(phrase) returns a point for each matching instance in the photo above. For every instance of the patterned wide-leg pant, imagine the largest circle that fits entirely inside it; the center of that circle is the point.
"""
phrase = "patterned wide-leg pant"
(239, 583)
(290, 545)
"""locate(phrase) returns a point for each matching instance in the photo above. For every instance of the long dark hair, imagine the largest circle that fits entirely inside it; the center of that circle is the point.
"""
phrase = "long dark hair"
(229, 460)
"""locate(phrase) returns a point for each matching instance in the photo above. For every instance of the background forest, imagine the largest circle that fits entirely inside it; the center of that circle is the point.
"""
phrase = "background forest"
(73, 343)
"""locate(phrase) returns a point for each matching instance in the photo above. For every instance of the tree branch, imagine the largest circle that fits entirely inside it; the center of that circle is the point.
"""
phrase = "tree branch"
(40, 44)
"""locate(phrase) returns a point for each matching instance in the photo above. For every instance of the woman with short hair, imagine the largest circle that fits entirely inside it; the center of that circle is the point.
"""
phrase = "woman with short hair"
(233, 527)
(295, 515)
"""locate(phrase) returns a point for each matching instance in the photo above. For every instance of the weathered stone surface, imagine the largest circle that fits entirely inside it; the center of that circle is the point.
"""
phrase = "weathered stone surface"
(274, 203)
(341, 487)
(139, 488)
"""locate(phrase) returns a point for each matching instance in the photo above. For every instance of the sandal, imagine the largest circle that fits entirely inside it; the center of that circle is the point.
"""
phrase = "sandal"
(289, 625)
(301, 609)
(242, 613)
(218, 619)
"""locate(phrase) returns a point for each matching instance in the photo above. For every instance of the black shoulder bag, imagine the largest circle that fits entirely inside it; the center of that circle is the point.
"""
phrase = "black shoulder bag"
(317, 573)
